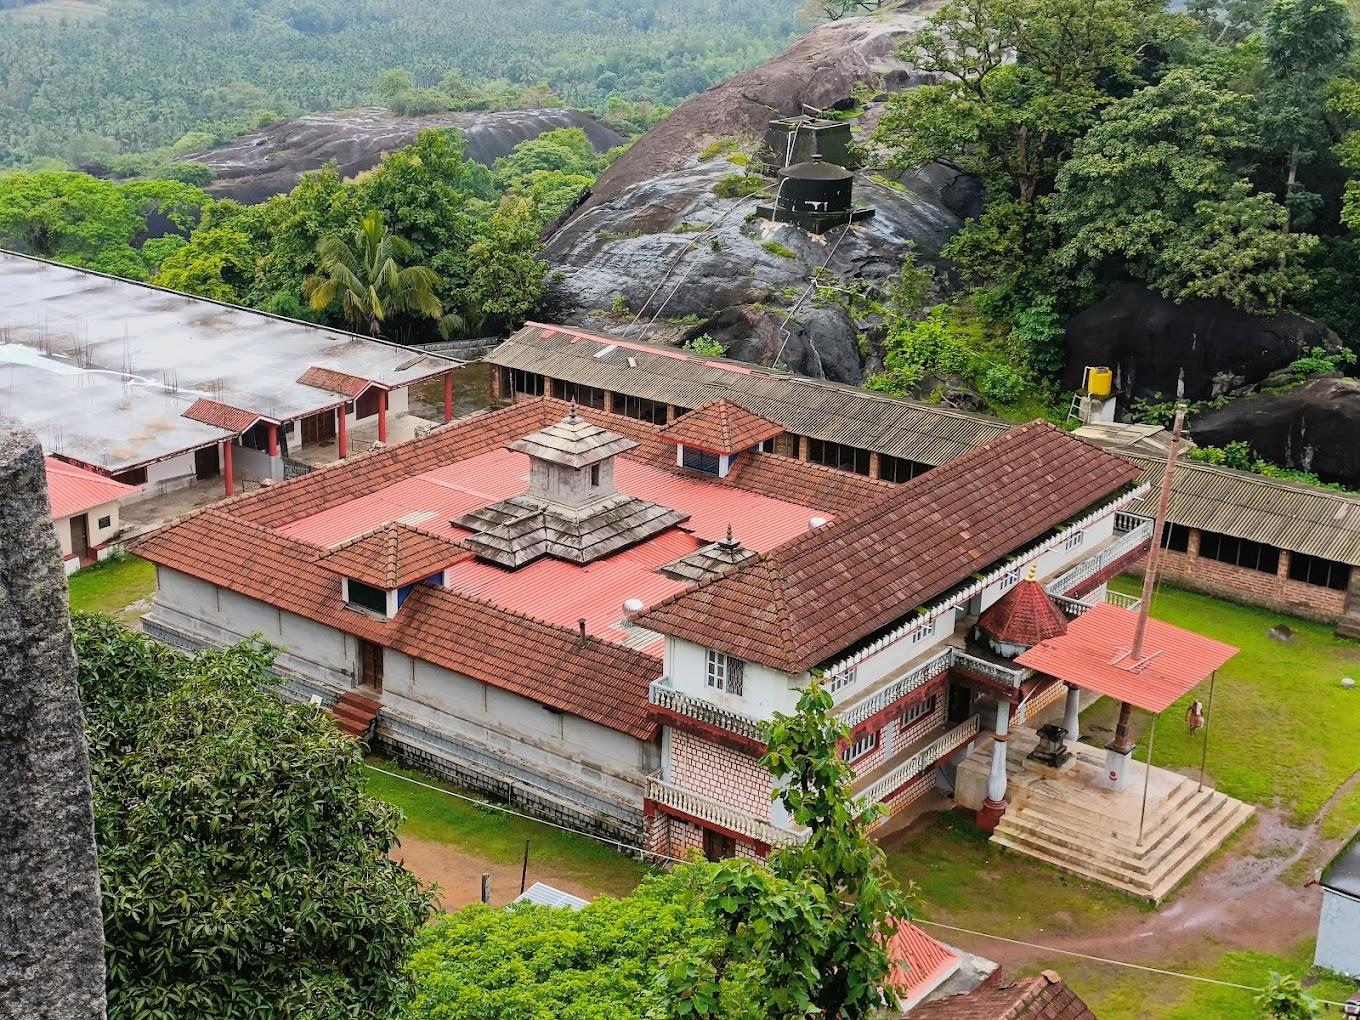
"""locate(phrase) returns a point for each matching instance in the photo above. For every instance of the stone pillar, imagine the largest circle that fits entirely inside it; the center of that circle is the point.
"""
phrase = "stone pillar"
(51, 926)
(802, 447)
(342, 441)
(382, 417)
(1072, 714)
(995, 804)
(448, 394)
(875, 464)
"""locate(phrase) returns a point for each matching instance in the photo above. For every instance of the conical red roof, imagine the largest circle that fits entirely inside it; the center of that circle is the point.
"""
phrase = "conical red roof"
(1025, 615)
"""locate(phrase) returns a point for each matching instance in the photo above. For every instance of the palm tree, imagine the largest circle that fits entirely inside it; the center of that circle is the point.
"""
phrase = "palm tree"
(368, 280)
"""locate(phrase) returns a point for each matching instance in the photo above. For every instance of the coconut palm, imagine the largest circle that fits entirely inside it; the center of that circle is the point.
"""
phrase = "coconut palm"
(368, 279)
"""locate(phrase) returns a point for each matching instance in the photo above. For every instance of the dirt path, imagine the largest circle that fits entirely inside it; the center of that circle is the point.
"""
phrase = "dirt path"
(459, 874)
(1253, 897)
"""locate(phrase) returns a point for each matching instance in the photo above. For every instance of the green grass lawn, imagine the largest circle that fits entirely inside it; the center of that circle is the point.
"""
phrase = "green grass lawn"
(961, 879)
(1283, 731)
(1117, 993)
(498, 837)
(111, 586)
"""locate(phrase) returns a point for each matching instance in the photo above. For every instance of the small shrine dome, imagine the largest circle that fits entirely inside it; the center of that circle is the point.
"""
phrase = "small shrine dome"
(1020, 619)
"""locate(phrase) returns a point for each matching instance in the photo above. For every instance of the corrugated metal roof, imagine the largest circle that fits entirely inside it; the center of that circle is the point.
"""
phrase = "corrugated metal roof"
(1094, 654)
(73, 490)
(831, 412)
(1289, 515)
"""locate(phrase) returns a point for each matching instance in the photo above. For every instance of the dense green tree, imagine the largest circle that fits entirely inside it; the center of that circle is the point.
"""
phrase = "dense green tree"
(368, 280)
(1307, 43)
(811, 931)
(1285, 999)
(218, 263)
(506, 279)
(244, 870)
(1018, 82)
(1157, 190)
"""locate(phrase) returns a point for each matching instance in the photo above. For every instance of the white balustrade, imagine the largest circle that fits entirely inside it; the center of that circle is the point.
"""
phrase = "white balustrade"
(706, 809)
(920, 761)
(1126, 541)
(663, 695)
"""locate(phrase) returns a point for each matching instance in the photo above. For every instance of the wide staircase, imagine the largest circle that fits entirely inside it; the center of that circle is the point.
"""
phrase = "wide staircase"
(355, 713)
(1184, 826)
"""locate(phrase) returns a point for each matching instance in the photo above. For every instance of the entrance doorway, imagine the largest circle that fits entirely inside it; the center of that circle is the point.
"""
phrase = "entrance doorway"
(207, 463)
(319, 428)
(960, 703)
(718, 847)
(80, 536)
(371, 665)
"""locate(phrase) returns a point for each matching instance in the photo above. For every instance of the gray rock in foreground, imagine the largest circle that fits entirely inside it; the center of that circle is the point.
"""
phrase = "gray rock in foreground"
(51, 926)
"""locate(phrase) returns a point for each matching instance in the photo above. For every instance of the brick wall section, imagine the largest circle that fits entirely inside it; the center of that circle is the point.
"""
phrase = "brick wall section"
(1037, 704)
(912, 792)
(726, 776)
(1250, 587)
(908, 735)
(676, 838)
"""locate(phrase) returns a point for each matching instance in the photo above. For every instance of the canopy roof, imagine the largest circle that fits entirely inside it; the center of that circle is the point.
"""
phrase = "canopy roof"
(1096, 654)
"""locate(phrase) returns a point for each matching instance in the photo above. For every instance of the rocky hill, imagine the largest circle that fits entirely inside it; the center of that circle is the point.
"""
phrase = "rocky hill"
(654, 236)
(269, 162)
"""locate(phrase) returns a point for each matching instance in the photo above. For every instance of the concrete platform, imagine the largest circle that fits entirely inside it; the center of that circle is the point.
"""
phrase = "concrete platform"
(1071, 822)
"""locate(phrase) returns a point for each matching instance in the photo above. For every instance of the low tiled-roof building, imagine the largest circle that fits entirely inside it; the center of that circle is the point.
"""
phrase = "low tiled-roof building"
(84, 511)
(1043, 997)
(547, 606)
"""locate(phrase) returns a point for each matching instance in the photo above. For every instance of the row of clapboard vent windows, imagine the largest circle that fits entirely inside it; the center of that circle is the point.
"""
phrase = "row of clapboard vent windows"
(1243, 552)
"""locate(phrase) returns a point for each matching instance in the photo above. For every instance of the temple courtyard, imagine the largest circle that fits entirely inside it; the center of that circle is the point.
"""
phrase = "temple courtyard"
(1281, 740)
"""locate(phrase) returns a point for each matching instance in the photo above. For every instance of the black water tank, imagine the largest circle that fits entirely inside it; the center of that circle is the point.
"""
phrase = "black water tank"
(815, 187)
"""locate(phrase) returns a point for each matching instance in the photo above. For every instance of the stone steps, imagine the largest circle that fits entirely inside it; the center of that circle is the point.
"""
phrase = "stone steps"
(354, 713)
(1149, 872)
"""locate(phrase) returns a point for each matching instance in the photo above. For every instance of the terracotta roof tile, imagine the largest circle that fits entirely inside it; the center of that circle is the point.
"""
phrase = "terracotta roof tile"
(1025, 615)
(393, 556)
(815, 596)
(352, 386)
(223, 416)
(1042, 997)
(595, 680)
(920, 963)
(721, 426)
(73, 490)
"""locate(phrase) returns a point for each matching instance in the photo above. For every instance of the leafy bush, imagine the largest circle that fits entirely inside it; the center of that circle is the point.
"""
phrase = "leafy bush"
(1319, 360)
(718, 148)
(1238, 456)
(739, 186)
(705, 346)
(1003, 384)
(619, 305)
(775, 248)
(1038, 329)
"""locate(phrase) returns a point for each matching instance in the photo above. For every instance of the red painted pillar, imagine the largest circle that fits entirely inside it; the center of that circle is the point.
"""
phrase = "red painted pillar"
(382, 416)
(448, 395)
(273, 440)
(343, 414)
(226, 467)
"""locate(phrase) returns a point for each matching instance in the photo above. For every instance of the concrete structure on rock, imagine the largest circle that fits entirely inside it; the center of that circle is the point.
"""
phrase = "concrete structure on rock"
(455, 581)
(158, 389)
(51, 926)
(1281, 545)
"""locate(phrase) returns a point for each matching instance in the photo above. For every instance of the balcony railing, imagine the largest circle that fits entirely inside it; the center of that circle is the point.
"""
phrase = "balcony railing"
(1131, 531)
(705, 809)
(867, 708)
(663, 695)
(920, 761)
(1075, 607)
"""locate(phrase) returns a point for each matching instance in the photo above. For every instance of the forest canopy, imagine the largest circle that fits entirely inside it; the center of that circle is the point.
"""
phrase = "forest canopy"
(85, 80)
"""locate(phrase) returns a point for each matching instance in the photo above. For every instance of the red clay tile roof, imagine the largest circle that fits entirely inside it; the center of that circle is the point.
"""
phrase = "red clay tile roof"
(1025, 615)
(393, 556)
(815, 596)
(597, 680)
(920, 963)
(763, 473)
(352, 386)
(73, 490)
(223, 416)
(1042, 997)
(721, 426)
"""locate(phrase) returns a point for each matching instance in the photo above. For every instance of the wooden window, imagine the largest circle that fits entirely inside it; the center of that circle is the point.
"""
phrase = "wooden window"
(105, 522)
(1074, 540)
(898, 469)
(1176, 537)
(1318, 571)
(367, 597)
(1240, 552)
(585, 396)
(718, 847)
(699, 460)
(725, 672)
(528, 383)
(860, 747)
(640, 408)
(843, 679)
(1009, 578)
(918, 711)
(924, 631)
(837, 455)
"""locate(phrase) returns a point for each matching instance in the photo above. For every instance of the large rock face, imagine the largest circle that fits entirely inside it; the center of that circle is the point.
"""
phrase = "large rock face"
(654, 234)
(51, 926)
(1197, 349)
(1313, 427)
(269, 162)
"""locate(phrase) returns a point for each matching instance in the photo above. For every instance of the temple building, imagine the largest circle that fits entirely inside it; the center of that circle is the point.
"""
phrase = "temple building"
(591, 615)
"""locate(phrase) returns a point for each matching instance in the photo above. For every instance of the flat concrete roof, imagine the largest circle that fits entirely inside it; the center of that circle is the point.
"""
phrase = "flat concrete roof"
(102, 369)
